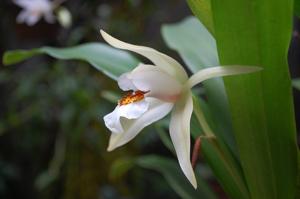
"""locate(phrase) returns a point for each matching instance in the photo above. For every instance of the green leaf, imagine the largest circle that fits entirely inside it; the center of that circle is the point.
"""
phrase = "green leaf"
(196, 46)
(296, 83)
(120, 167)
(172, 173)
(225, 167)
(110, 61)
(202, 10)
(298, 179)
(198, 49)
(166, 140)
(257, 32)
(297, 8)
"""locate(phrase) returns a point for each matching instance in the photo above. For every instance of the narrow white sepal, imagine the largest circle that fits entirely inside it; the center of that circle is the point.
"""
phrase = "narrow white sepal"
(130, 111)
(180, 134)
(219, 71)
(159, 59)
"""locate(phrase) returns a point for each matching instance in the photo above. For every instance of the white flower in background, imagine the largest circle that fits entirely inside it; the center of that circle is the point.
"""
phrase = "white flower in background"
(64, 17)
(34, 10)
(153, 92)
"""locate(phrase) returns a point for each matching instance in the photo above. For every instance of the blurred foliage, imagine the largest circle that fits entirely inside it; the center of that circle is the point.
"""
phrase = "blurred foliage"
(296, 83)
(53, 141)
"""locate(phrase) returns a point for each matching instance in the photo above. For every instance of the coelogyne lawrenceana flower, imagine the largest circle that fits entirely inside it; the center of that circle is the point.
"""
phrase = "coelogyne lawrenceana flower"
(34, 10)
(153, 92)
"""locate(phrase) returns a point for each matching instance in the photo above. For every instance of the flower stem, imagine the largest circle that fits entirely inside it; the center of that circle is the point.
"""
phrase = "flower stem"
(201, 118)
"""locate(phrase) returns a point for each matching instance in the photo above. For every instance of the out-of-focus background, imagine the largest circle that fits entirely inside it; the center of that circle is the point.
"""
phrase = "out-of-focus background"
(52, 137)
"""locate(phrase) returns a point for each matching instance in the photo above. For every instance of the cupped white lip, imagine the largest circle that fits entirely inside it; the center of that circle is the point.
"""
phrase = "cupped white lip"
(130, 111)
(156, 111)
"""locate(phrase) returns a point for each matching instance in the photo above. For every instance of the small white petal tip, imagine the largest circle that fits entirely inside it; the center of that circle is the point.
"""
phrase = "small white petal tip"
(194, 185)
(104, 34)
(111, 146)
(109, 149)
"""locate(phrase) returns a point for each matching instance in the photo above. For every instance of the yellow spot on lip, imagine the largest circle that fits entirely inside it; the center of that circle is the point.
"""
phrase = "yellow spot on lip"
(132, 96)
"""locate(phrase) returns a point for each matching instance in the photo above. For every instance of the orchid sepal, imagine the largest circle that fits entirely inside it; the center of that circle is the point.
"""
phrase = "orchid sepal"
(220, 71)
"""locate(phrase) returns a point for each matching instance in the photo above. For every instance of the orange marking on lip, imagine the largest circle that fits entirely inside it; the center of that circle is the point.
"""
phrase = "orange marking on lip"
(132, 96)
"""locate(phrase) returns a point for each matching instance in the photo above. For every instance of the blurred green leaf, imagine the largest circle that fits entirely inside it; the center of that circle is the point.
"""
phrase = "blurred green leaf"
(225, 167)
(109, 60)
(52, 173)
(44, 180)
(196, 46)
(298, 179)
(297, 7)
(198, 49)
(256, 32)
(202, 10)
(296, 83)
(120, 167)
(172, 173)
(110, 96)
(163, 135)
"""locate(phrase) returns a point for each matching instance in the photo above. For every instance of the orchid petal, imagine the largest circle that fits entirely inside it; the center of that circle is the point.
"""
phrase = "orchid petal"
(180, 134)
(34, 4)
(157, 110)
(156, 81)
(219, 71)
(150, 79)
(125, 83)
(112, 121)
(129, 111)
(22, 16)
(134, 110)
(22, 3)
(32, 19)
(159, 59)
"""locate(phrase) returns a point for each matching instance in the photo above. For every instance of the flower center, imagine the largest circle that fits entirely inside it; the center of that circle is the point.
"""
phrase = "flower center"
(132, 96)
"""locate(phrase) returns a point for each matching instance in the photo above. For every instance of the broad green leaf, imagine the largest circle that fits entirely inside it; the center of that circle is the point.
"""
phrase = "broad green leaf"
(257, 32)
(198, 49)
(296, 83)
(225, 167)
(297, 7)
(172, 173)
(109, 60)
(202, 10)
(196, 46)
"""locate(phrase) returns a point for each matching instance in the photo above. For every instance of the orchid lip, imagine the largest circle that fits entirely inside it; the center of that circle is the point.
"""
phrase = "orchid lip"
(131, 97)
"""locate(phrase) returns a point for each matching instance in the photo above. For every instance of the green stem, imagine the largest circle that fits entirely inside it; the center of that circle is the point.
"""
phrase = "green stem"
(201, 118)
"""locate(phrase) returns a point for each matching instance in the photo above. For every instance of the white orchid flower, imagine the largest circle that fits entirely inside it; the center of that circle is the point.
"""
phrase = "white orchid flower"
(154, 91)
(34, 10)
